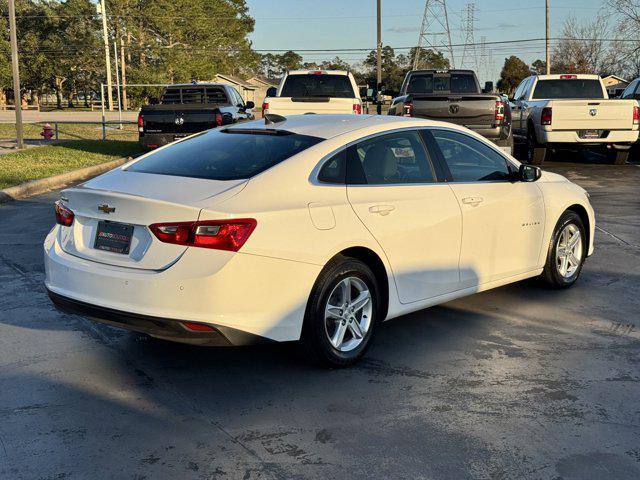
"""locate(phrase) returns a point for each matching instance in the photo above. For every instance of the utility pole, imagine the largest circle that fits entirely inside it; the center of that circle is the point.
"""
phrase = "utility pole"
(107, 60)
(15, 72)
(548, 52)
(123, 75)
(379, 61)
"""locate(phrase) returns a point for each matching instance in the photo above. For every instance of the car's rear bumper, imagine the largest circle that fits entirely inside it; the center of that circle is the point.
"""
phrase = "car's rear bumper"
(618, 137)
(258, 295)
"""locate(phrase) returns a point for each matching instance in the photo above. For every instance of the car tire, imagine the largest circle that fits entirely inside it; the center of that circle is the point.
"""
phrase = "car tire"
(536, 153)
(320, 340)
(559, 270)
(506, 143)
(619, 157)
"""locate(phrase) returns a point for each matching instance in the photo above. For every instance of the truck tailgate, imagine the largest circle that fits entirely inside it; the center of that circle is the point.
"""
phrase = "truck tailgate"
(592, 115)
(323, 105)
(178, 120)
(462, 110)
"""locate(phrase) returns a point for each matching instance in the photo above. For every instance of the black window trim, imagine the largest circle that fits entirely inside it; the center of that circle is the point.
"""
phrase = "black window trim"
(512, 167)
(438, 172)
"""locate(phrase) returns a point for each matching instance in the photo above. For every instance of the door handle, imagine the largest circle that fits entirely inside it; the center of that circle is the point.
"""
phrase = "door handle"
(473, 201)
(382, 209)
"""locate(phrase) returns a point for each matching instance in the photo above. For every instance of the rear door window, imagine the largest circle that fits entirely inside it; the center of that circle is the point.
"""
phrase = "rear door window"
(215, 95)
(193, 95)
(229, 154)
(568, 89)
(317, 85)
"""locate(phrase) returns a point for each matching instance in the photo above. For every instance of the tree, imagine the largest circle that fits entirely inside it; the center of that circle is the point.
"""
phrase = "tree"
(274, 65)
(430, 59)
(628, 12)
(513, 72)
(539, 67)
(392, 71)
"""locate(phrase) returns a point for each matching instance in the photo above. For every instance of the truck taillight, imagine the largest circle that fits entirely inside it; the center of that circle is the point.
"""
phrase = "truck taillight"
(357, 108)
(636, 115)
(228, 235)
(140, 123)
(407, 110)
(64, 215)
(568, 77)
(219, 119)
(265, 107)
(499, 111)
(546, 116)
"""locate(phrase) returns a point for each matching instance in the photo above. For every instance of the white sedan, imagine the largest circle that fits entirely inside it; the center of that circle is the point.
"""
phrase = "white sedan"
(313, 228)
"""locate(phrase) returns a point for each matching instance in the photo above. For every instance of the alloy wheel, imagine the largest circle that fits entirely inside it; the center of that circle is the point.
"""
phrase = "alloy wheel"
(348, 311)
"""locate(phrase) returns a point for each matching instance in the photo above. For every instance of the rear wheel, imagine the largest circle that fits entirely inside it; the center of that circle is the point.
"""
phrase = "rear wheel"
(342, 314)
(536, 153)
(567, 251)
(619, 157)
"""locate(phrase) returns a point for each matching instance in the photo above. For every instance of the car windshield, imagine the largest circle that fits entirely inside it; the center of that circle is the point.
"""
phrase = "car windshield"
(230, 154)
(442, 83)
(318, 85)
(568, 88)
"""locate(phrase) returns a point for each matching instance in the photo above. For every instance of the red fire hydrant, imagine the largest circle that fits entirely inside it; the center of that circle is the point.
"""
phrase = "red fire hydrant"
(47, 132)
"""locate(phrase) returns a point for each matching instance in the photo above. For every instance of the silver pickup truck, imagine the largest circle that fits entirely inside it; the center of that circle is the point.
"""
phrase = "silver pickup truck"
(455, 96)
(571, 111)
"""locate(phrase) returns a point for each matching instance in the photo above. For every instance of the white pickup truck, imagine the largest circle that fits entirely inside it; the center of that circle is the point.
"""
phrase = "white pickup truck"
(314, 91)
(571, 111)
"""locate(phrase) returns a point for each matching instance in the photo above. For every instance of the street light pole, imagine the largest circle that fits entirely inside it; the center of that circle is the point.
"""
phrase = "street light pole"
(379, 61)
(15, 72)
(107, 59)
(548, 52)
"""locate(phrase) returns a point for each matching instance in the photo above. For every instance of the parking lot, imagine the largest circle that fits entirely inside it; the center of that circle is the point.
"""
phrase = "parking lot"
(518, 382)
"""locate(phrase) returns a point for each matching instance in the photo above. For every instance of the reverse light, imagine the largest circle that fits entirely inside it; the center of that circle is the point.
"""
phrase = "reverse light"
(64, 215)
(499, 111)
(407, 110)
(357, 108)
(636, 115)
(546, 116)
(140, 123)
(228, 235)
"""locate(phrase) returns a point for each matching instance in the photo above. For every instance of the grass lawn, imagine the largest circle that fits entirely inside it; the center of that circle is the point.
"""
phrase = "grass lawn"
(41, 162)
(72, 131)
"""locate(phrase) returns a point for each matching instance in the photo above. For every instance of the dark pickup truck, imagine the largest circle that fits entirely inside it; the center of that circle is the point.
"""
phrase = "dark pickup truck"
(190, 108)
(455, 96)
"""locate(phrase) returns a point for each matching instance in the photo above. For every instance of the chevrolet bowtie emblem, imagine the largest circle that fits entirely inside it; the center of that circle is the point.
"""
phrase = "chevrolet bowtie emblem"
(104, 208)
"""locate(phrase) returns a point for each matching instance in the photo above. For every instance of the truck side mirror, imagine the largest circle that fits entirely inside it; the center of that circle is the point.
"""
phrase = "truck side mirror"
(272, 91)
(488, 87)
(249, 105)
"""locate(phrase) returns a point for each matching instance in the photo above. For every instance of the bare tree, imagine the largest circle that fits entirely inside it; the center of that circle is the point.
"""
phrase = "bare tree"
(627, 13)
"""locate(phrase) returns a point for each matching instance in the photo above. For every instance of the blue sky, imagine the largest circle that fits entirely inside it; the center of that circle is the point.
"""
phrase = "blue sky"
(314, 24)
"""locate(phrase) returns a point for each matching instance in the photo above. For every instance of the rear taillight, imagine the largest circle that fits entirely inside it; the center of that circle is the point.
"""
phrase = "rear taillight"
(265, 107)
(64, 215)
(636, 115)
(499, 111)
(140, 123)
(219, 119)
(228, 235)
(407, 110)
(357, 108)
(545, 116)
(198, 327)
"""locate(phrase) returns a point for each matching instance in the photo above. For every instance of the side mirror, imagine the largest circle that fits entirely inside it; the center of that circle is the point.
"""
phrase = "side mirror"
(272, 91)
(249, 105)
(154, 101)
(529, 173)
(488, 87)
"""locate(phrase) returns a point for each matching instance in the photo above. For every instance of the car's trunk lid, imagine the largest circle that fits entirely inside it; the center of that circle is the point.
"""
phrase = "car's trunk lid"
(138, 200)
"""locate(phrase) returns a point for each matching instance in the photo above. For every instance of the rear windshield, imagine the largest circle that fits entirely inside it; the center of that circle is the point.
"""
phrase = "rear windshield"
(316, 85)
(442, 83)
(174, 95)
(225, 154)
(568, 88)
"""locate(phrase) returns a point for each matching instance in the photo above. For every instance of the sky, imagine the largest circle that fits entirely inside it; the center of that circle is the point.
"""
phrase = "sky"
(339, 24)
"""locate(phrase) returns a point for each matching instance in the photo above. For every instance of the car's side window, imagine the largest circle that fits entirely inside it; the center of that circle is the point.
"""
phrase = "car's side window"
(518, 93)
(469, 159)
(334, 169)
(394, 158)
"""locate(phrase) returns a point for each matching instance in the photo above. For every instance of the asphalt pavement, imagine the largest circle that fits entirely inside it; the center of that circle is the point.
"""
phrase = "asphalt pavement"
(518, 382)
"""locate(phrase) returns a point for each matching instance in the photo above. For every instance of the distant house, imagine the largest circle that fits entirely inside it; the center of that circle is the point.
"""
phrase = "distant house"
(262, 84)
(615, 85)
(245, 89)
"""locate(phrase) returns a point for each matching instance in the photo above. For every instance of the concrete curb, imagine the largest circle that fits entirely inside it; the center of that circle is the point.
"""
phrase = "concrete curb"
(35, 187)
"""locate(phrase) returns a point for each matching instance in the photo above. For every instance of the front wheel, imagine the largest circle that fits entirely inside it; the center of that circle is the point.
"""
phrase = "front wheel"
(567, 251)
(342, 314)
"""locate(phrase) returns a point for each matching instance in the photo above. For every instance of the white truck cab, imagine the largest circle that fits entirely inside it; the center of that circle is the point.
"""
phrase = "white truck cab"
(572, 111)
(315, 91)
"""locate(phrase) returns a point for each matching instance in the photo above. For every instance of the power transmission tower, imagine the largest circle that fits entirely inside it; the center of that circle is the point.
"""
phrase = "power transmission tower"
(469, 54)
(434, 32)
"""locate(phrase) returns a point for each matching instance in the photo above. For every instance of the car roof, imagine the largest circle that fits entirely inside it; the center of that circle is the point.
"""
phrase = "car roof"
(329, 126)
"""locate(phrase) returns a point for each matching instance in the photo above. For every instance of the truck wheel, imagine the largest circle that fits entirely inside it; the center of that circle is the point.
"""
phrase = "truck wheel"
(619, 157)
(536, 153)
(506, 144)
